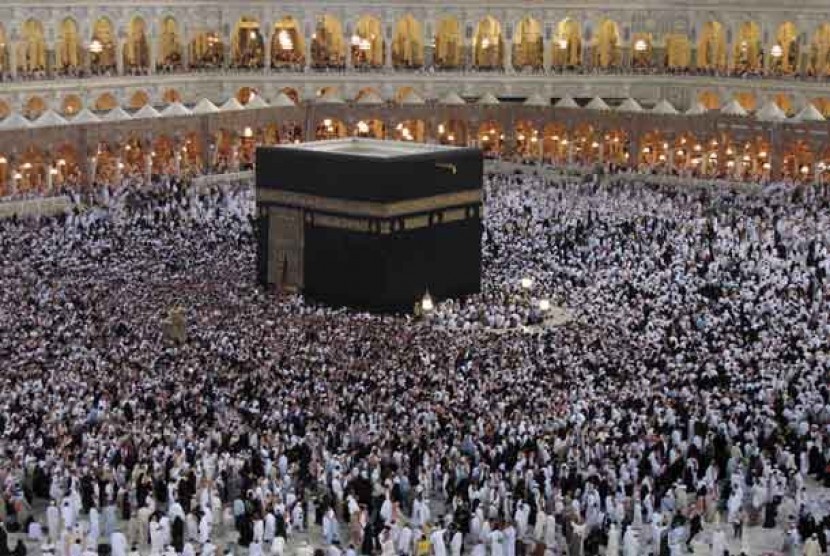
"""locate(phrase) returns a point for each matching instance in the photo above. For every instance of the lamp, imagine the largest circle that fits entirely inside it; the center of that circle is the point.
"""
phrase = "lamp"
(362, 127)
(247, 132)
(3, 160)
(18, 176)
(285, 40)
(427, 305)
(53, 171)
(640, 46)
(563, 44)
(27, 166)
(776, 51)
(96, 47)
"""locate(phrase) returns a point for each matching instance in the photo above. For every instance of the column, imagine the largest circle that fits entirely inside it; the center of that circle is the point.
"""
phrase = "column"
(601, 149)
(507, 56)
(633, 151)
(185, 50)
(308, 53)
(119, 57)
(148, 167)
(670, 157)
(50, 176)
(387, 61)
(93, 167)
(153, 55)
(570, 152)
(546, 56)
(267, 54)
(348, 43)
(13, 58)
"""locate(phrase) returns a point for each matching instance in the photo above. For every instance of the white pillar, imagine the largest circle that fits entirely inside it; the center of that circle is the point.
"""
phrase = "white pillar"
(148, 167)
(153, 56)
(93, 167)
(670, 158)
(570, 152)
(348, 42)
(266, 48)
(387, 47)
(507, 56)
(13, 58)
(178, 163)
(118, 164)
(119, 57)
(546, 56)
(50, 178)
(308, 53)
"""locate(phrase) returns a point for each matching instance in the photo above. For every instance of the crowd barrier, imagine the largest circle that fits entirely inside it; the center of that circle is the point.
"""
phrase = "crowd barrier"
(206, 182)
(26, 208)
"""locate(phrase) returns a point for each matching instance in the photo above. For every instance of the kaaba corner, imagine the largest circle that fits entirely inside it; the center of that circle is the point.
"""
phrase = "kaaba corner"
(370, 224)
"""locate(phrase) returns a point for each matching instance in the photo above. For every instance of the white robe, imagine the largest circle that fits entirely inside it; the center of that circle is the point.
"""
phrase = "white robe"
(94, 526)
(613, 548)
(439, 548)
(497, 543)
(510, 541)
(630, 543)
(270, 527)
(718, 543)
(53, 521)
(118, 542)
(456, 544)
(550, 531)
(156, 538)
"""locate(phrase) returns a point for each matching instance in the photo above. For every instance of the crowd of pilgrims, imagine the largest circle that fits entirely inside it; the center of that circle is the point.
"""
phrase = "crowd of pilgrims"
(684, 404)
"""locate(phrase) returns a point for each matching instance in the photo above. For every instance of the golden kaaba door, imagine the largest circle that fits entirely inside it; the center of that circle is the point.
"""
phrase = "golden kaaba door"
(285, 257)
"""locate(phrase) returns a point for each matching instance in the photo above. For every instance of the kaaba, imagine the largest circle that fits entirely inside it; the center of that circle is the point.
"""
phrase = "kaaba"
(370, 224)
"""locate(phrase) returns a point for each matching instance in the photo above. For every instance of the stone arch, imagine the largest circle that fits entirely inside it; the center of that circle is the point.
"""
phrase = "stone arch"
(449, 44)
(452, 132)
(784, 54)
(207, 50)
(292, 93)
(711, 48)
(105, 102)
(170, 96)
(408, 43)
(606, 49)
(34, 107)
(567, 46)
(372, 128)
(784, 102)
(69, 51)
(798, 162)
(328, 49)
(678, 51)
(102, 48)
(746, 54)
(528, 44)
(32, 169)
(137, 46)
(366, 91)
(247, 44)
(490, 137)
(410, 130)
(164, 155)
(488, 44)
(31, 50)
(403, 92)
(555, 142)
(138, 99)
(709, 99)
(287, 43)
(822, 104)
(71, 105)
(245, 94)
(67, 168)
(527, 139)
(331, 128)
(642, 50)
(747, 100)
(192, 154)
(367, 43)
(170, 43)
